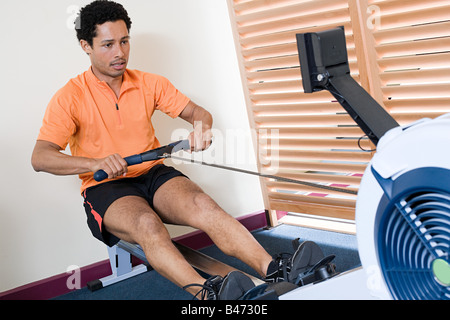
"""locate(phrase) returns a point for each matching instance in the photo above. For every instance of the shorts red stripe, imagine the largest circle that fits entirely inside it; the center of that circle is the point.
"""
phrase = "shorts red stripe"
(97, 217)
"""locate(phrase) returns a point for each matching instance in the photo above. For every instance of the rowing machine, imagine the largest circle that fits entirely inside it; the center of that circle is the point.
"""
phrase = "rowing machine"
(403, 206)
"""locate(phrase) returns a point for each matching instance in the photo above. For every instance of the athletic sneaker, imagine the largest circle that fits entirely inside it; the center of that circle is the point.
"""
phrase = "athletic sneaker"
(291, 267)
(232, 287)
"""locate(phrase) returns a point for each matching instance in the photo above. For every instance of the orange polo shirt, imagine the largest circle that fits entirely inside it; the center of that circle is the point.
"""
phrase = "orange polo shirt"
(86, 115)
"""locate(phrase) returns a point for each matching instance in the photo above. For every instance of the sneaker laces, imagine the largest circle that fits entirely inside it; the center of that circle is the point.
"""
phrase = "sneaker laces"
(209, 290)
(283, 263)
(205, 292)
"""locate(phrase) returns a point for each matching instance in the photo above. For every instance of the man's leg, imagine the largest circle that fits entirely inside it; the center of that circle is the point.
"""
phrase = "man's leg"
(132, 219)
(179, 201)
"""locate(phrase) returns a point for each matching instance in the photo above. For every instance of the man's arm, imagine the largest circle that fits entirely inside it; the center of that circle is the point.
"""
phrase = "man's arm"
(202, 122)
(47, 157)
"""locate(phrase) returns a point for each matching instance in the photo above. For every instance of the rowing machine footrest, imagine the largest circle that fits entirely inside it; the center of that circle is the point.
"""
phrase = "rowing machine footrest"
(260, 293)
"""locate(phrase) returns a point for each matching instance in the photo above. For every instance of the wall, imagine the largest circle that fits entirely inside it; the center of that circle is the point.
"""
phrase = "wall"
(42, 221)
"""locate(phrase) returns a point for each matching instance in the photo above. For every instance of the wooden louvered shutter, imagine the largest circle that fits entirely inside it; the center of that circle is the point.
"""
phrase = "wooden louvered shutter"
(399, 51)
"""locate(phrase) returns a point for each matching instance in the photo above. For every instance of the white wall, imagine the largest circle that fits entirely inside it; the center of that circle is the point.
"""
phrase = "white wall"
(42, 220)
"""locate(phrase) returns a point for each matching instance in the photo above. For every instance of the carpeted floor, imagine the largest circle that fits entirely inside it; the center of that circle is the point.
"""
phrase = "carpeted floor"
(152, 286)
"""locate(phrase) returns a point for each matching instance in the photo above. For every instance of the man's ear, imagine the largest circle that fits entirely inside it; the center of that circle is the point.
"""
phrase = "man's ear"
(86, 47)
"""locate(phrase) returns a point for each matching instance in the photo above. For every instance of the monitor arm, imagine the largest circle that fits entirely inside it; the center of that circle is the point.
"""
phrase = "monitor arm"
(324, 65)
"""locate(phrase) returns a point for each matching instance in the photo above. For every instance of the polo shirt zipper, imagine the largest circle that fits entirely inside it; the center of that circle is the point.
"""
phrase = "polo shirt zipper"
(119, 117)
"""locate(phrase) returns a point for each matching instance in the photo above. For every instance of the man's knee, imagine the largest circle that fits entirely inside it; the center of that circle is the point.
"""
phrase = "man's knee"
(206, 213)
(150, 228)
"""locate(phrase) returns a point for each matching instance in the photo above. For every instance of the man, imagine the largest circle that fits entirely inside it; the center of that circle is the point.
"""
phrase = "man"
(105, 115)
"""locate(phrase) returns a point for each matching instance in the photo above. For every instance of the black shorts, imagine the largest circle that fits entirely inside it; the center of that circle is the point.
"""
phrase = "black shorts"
(98, 199)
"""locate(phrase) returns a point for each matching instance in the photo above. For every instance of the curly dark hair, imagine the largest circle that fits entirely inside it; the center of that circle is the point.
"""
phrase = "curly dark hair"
(97, 13)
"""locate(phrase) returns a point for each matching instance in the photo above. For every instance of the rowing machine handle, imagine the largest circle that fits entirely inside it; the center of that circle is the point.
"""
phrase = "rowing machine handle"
(101, 175)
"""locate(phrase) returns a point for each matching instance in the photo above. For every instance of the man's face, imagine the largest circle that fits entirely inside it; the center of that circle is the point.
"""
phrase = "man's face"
(110, 50)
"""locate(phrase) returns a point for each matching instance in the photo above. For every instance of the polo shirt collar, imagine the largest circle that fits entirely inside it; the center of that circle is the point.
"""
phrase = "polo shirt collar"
(127, 82)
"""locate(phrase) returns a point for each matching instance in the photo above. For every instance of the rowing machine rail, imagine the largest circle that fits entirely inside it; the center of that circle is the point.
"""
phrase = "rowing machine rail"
(122, 269)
